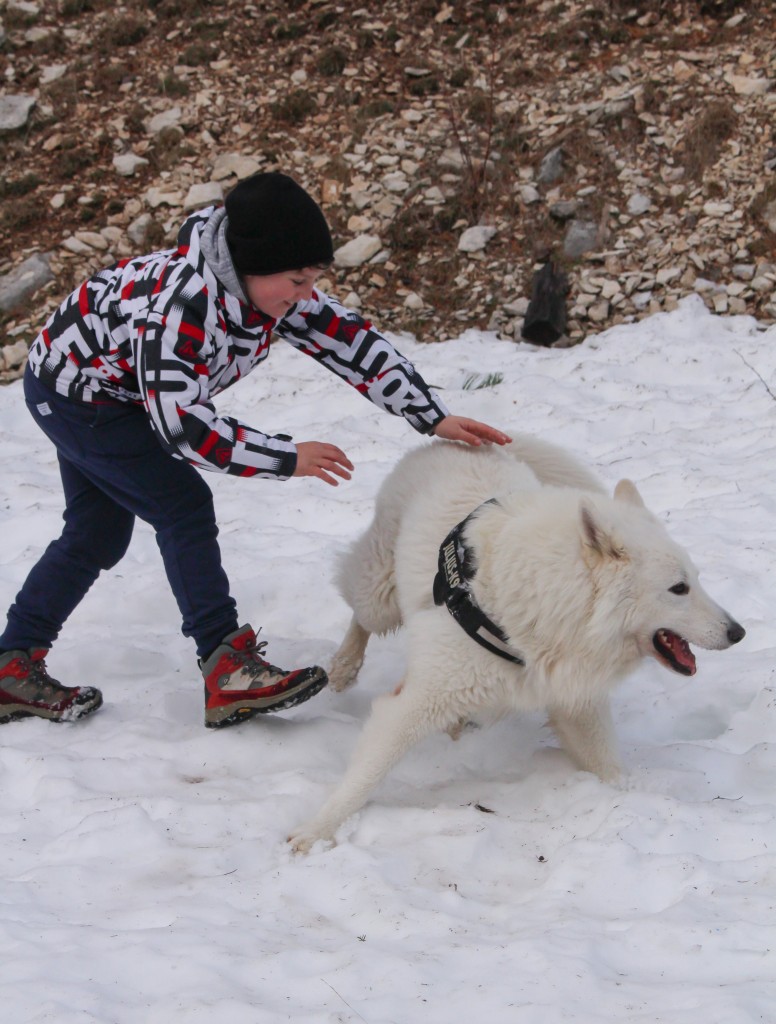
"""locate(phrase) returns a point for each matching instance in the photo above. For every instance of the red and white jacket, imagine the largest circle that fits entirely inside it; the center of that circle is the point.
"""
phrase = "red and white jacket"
(163, 331)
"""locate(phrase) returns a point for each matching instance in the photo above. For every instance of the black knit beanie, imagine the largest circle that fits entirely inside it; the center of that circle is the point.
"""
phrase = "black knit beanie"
(274, 225)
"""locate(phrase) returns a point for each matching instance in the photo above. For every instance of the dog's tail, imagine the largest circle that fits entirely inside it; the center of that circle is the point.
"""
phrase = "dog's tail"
(367, 580)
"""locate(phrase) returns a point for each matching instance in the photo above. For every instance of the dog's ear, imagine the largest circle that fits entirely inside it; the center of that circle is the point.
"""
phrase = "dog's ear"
(627, 491)
(599, 540)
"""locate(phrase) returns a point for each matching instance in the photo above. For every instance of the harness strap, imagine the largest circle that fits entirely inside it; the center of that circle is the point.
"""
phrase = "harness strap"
(452, 587)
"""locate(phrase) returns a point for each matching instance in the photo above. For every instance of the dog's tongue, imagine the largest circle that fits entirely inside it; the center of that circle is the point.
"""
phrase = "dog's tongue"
(676, 651)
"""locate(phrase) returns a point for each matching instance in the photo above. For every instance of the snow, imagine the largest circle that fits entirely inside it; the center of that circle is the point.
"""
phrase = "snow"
(146, 878)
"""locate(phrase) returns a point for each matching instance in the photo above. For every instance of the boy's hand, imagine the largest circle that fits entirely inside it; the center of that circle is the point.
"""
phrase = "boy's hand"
(458, 428)
(316, 458)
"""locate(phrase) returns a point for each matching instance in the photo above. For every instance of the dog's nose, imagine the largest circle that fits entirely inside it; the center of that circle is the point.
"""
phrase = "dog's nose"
(735, 632)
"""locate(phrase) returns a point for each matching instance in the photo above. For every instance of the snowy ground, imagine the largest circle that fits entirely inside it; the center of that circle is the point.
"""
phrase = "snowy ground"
(145, 877)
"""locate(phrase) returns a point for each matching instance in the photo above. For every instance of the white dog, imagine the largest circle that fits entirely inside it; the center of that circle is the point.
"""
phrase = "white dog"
(543, 598)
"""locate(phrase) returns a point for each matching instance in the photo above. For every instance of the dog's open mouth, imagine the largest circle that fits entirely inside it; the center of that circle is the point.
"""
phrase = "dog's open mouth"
(674, 651)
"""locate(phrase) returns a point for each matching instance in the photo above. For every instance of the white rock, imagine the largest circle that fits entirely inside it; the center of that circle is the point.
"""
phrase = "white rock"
(715, 209)
(234, 164)
(517, 308)
(668, 274)
(589, 285)
(208, 193)
(475, 239)
(359, 224)
(112, 234)
(357, 251)
(13, 355)
(386, 207)
(167, 119)
(126, 164)
(434, 195)
(598, 312)
(743, 271)
(581, 236)
(93, 239)
(529, 194)
(138, 228)
(744, 86)
(158, 197)
(452, 159)
(52, 73)
(360, 199)
(14, 111)
(702, 285)
(396, 182)
(639, 204)
(25, 7)
(75, 245)
(23, 281)
(414, 302)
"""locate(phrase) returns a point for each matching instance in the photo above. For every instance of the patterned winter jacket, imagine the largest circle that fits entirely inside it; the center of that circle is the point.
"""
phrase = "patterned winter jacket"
(173, 329)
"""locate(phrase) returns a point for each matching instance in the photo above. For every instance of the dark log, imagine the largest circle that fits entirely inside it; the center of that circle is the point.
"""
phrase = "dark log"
(545, 318)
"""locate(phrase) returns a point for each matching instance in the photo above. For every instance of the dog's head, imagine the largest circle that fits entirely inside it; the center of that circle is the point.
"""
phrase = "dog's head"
(650, 582)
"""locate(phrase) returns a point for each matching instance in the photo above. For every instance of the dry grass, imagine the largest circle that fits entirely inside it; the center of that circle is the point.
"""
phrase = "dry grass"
(706, 137)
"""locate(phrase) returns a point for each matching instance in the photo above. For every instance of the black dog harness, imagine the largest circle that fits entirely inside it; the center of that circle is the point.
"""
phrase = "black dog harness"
(452, 587)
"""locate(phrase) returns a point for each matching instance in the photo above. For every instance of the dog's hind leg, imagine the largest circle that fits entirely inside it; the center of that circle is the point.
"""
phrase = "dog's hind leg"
(349, 658)
(398, 721)
(587, 735)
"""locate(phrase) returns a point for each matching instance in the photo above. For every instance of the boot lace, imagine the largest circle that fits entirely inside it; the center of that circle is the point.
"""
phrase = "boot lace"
(37, 678)
(250, 662)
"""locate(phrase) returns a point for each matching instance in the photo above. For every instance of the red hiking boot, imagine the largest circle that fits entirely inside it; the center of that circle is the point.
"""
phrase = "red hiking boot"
(239, 683)
(28, 691)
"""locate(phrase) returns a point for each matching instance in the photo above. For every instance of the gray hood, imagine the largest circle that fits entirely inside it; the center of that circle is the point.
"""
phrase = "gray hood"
(216, 252)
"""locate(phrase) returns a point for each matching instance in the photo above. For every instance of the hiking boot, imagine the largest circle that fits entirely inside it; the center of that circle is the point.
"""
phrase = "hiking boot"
(239, 683)
(27, 690)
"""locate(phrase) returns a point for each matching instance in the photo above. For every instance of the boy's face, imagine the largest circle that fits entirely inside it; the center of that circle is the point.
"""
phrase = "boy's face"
(275, 294)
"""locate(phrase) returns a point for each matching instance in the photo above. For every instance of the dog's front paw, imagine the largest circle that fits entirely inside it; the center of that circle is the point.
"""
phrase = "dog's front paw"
(612, 775)
(304, 838)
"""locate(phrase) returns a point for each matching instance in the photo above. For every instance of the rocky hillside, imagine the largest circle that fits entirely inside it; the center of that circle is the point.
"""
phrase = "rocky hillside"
(457, 146)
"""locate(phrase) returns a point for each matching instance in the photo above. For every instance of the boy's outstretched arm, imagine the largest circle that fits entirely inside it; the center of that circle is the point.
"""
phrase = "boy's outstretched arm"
(459, 428)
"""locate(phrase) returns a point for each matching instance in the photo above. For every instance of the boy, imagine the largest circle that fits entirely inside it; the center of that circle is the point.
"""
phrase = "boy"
(121, 379)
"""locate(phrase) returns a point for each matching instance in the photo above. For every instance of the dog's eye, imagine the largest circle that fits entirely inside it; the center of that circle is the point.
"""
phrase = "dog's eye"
(679, 588)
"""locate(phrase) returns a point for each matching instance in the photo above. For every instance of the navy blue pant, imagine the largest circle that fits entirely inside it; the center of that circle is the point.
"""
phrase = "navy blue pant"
(113, 469)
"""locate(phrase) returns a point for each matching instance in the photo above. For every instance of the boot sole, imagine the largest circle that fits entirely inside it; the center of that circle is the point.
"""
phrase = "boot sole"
(71, 714)
(220, 718)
